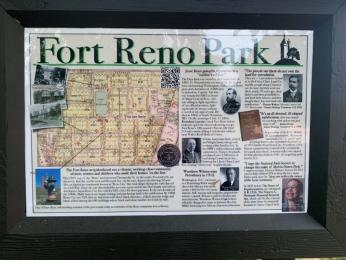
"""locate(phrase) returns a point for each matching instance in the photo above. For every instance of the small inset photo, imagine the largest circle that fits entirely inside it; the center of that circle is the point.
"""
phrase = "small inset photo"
(46, 116)
(49, 94)
(292, 88)
(230, 101)
(52, 76)
(48, 186)
(292, 195)
(191, 150)
(250, 125)
(229, 178)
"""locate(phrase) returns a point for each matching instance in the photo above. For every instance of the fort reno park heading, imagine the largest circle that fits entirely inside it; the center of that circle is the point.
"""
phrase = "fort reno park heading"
(214, 53)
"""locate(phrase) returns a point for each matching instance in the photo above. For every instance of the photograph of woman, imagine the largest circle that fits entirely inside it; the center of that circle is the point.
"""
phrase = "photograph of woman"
(292, 195)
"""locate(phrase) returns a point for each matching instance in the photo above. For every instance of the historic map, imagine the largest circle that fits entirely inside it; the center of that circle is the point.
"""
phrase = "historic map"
(113, 117)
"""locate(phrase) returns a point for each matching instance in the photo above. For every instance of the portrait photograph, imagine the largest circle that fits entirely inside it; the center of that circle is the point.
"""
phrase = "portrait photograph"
(292, 195)
(191, 150)
(292, 88)
(229, 178)
(230, 101)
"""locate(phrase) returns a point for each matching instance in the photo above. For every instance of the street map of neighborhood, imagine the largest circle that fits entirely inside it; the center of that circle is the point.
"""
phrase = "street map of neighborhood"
(113, 117)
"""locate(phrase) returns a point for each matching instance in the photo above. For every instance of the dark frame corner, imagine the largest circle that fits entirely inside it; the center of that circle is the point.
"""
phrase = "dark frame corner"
(321, 232)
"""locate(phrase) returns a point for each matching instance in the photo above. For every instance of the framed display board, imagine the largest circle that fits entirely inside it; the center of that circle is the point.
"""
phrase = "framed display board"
(129, 122)
(72, 121)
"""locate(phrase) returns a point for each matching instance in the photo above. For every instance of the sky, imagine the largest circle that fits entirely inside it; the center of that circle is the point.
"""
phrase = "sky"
(48, 172)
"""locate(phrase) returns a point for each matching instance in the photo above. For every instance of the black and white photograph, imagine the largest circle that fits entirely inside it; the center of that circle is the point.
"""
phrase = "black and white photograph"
(292, 88)
(230, 101)
(46, 75)
(44, 94)
(292, 195)
(46, 116)
(229, 178)
(191, 150)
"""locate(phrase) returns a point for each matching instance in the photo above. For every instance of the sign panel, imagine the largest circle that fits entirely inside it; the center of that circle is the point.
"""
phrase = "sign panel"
(166, 122)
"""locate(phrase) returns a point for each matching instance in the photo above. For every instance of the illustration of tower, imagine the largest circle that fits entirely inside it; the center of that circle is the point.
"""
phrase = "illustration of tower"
(284, 46)
(288, 54)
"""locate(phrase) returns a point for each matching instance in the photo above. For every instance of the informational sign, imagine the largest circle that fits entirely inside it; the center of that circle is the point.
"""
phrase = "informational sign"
(166, 122)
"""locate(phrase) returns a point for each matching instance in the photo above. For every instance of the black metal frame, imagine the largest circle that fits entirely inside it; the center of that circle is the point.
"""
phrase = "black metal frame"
(321, 232)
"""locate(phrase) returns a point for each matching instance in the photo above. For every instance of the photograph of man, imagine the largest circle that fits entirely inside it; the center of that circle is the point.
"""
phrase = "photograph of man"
(192, 150)
(292, 195)
(232, 104)
(293, 94)
(232, 179)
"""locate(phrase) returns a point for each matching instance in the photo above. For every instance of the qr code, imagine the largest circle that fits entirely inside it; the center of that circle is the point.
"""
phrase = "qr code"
(170, 77)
